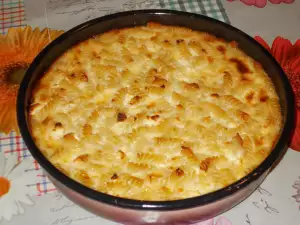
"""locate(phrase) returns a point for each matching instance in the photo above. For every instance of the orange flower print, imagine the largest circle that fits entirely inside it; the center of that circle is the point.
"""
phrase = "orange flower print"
(288, 55)
(13, 186)
(18, 48)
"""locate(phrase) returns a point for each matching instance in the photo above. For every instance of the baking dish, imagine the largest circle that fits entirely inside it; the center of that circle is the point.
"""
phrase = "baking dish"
(186, 211)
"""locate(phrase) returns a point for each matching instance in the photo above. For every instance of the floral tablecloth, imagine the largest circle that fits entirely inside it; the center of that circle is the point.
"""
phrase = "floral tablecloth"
(32, 199)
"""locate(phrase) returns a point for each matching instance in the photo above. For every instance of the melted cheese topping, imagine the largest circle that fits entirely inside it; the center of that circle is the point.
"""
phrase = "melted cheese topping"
(155, 113)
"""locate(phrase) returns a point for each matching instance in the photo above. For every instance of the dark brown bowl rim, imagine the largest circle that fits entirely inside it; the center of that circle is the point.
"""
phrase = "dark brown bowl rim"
(275, 155)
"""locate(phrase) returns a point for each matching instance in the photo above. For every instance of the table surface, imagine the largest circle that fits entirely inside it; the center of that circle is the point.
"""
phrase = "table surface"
(271, 204)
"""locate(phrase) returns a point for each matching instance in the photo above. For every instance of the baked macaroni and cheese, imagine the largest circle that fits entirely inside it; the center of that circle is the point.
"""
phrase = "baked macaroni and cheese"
(155, 113)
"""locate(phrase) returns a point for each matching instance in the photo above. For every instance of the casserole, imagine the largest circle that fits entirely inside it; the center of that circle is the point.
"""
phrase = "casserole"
(190, 210)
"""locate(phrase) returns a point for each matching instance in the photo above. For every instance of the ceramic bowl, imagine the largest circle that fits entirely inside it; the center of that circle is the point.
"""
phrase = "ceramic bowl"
(186, 211)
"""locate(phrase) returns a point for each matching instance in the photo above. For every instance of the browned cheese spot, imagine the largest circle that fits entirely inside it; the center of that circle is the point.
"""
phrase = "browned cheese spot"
(128, 59)
(149, 55)
(114, 176)
(191, 86)
(159, 81)
(215, 95)
(153, 177)
(210, 59)
(247, 144)
(227, 78)
(87, 129)
(206, 119)
(83, 174)
(77, 49)
(116, 32)
(179, 41)
(263, 152)
(244, 116)
(187, 151)
(239, 139)
(121, 39)
(154, 38)
(151, 75)
(153, 25)
(84, 177)
(270, 120)
(221, 49)
(61, 92)
(155, 117)
(245, 78)
(210, 38)
(122, 154)
(257, 65)
(94, 115)
(43, 98)
(135, 100)
(241, 66)
(82, 158)
(234, 44)
(151, 105)
(259, 141)
(263, 97)
(95, 55)
(58, 125)
(179, 107)
(250, 96)
(179, 172)
(204, 165)
(70, 137)
(121, 117)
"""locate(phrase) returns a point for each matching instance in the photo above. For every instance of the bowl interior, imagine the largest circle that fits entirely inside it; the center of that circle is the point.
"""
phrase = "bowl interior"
(136, 18)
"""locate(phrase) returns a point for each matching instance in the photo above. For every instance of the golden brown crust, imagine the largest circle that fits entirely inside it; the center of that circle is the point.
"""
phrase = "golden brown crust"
(155, 113)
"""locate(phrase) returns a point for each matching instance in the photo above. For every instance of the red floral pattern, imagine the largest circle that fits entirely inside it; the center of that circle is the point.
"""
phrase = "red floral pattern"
(263, 3)
(288, 55)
